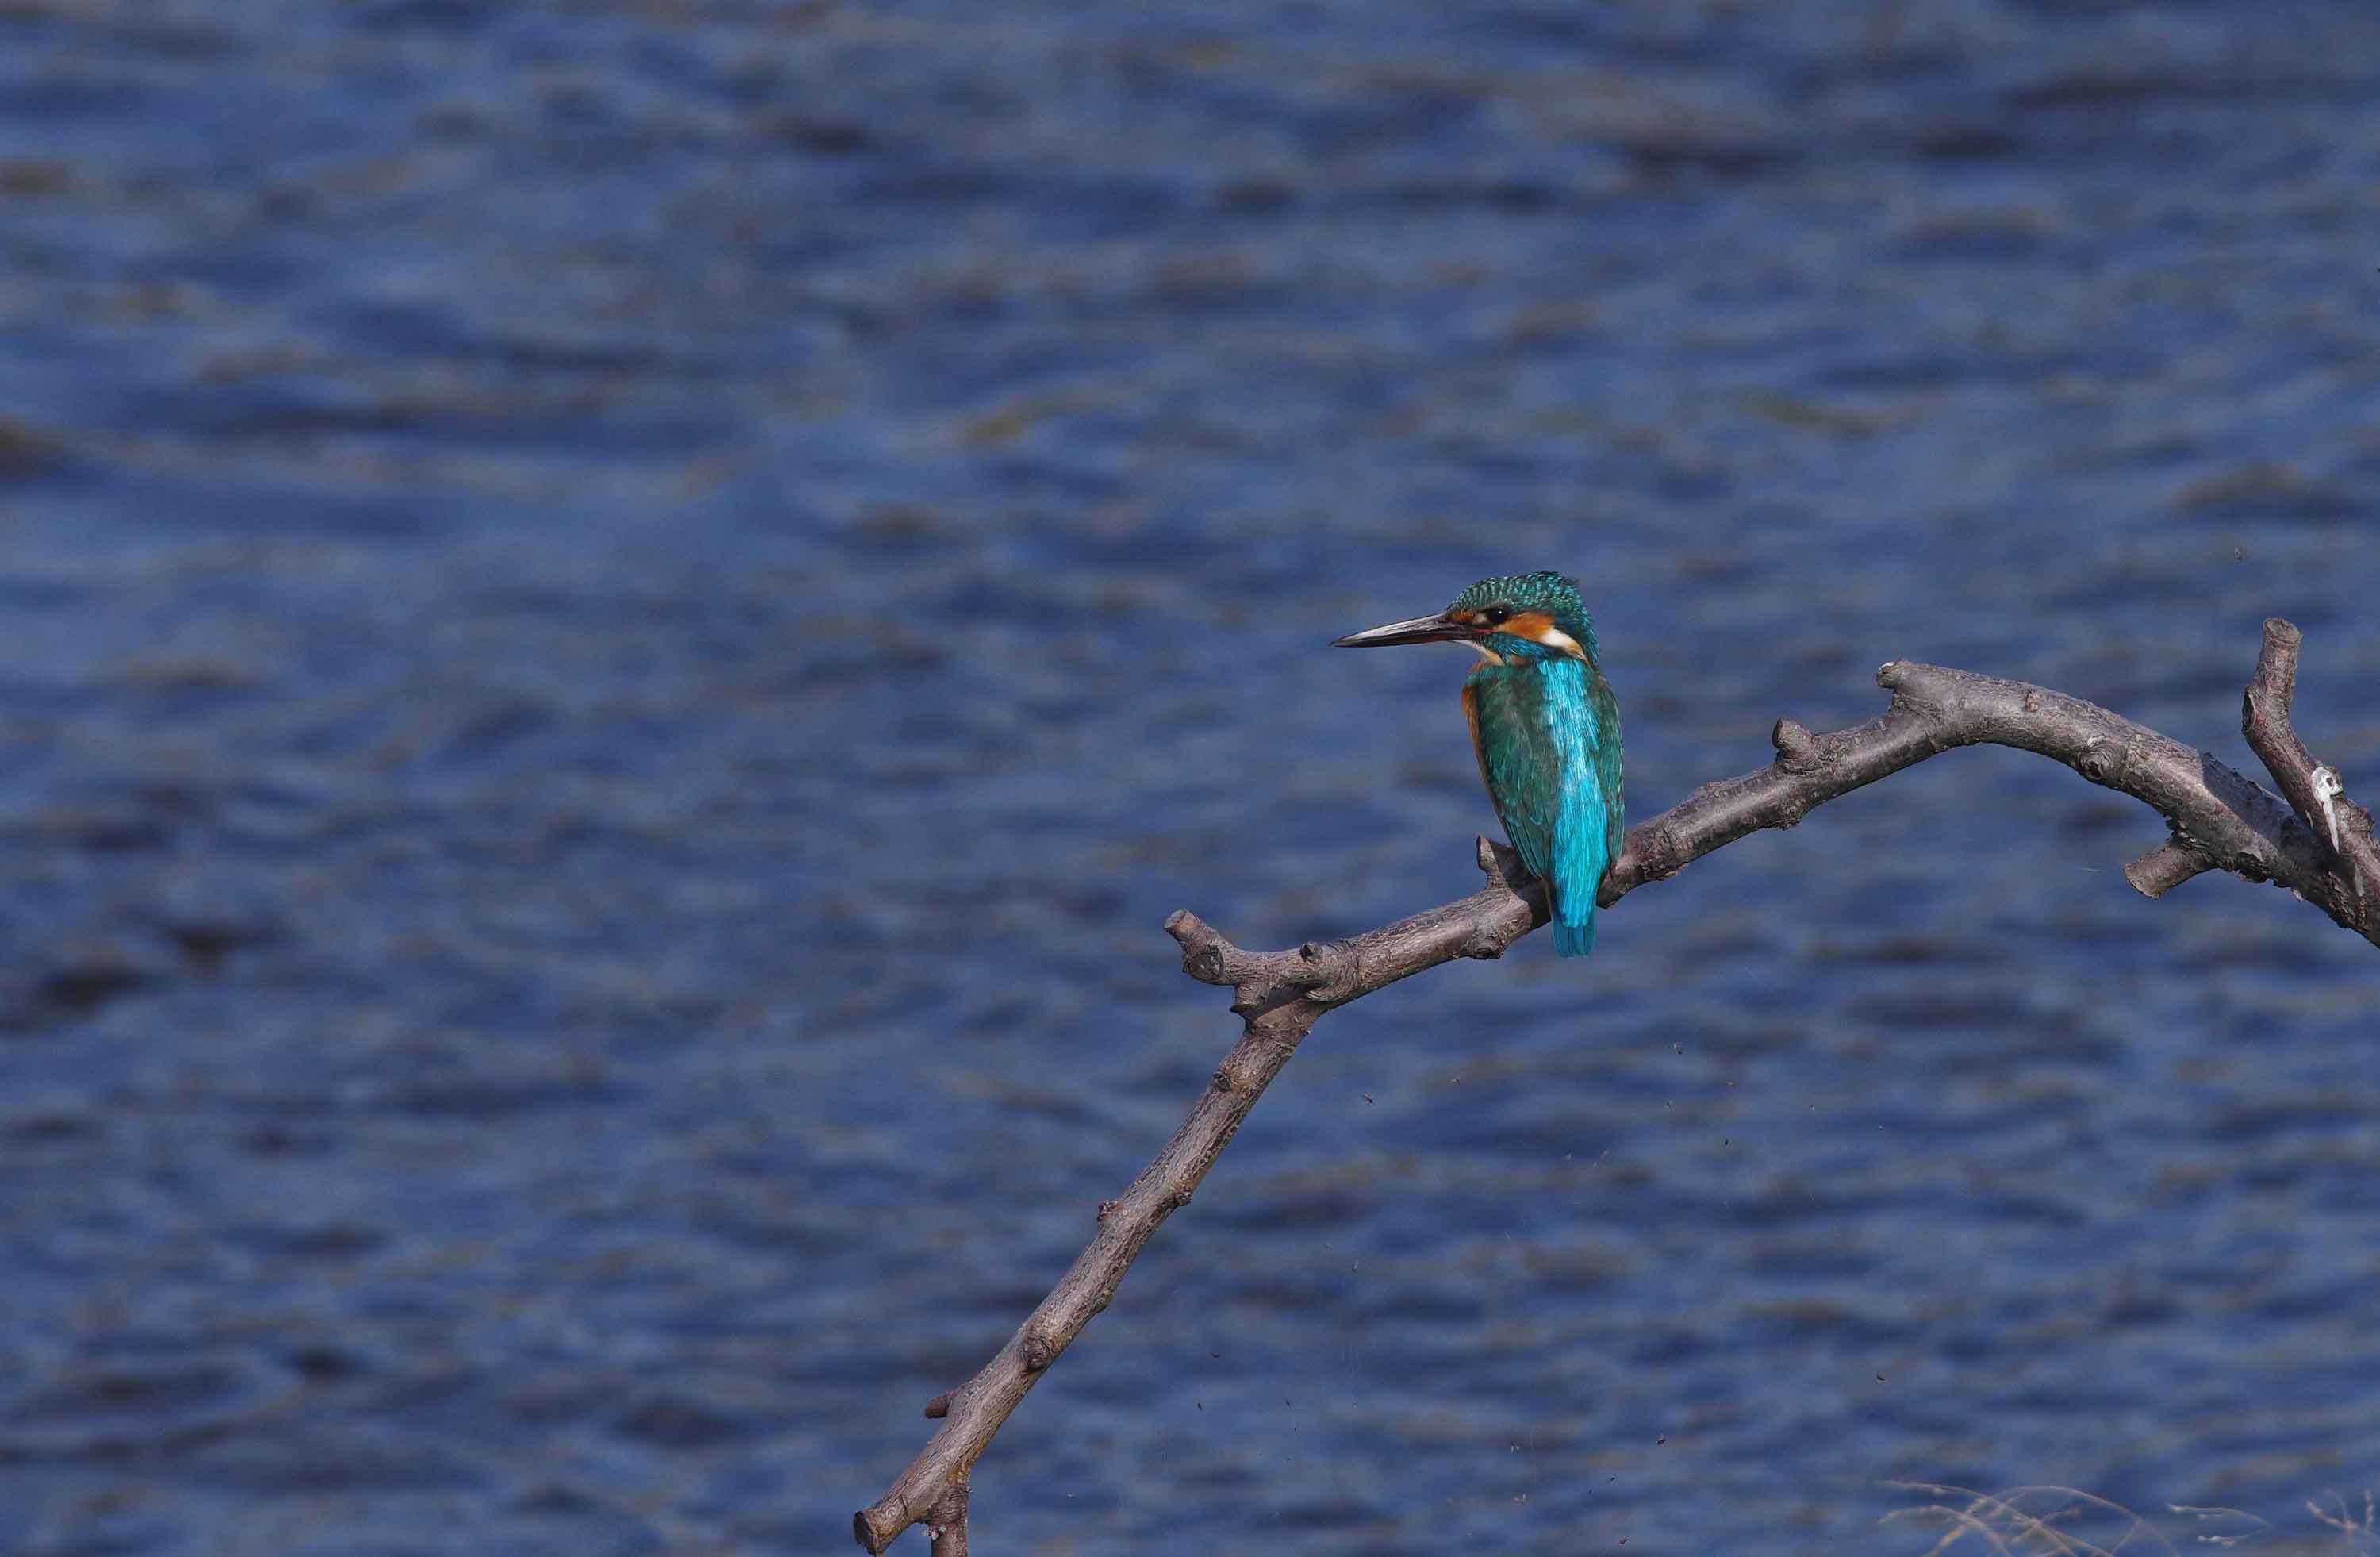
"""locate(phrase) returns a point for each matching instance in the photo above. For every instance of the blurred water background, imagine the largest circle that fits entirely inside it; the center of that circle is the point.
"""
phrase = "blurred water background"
(623, 619)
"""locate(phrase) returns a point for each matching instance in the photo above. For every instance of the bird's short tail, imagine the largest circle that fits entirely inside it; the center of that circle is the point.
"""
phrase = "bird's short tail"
(1574, 939)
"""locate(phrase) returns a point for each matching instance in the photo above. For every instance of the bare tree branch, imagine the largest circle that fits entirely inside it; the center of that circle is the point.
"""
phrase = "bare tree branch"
(2218, 819)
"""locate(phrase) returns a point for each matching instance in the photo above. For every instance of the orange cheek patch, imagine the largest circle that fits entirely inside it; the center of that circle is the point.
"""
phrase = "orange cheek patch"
(1538, 626)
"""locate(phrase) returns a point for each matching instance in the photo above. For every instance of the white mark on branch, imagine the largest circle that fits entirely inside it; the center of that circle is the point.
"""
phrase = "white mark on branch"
(2327, 787)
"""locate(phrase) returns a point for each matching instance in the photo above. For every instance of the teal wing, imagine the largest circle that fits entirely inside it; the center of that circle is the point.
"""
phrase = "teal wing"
(1604, 757)
(1548, 742)
(1519, 760)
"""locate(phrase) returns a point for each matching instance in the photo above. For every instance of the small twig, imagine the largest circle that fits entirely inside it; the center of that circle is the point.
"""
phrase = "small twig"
(2316, 791)
(2165, 867)
(2218, 819)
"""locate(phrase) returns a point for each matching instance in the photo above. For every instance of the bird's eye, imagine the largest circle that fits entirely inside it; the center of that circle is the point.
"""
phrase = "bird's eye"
(1498, 614)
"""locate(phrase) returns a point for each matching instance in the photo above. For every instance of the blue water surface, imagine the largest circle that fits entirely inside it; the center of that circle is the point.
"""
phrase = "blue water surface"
(623, 620)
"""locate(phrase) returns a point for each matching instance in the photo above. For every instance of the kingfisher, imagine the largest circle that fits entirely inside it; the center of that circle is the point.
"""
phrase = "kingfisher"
(1545, 727)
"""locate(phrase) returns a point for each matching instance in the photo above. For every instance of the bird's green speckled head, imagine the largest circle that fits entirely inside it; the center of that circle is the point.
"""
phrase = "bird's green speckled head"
(1529, 615)
(1524, 595)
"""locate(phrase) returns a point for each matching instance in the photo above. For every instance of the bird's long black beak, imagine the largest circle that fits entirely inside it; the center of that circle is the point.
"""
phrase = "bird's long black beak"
(1421, 629)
